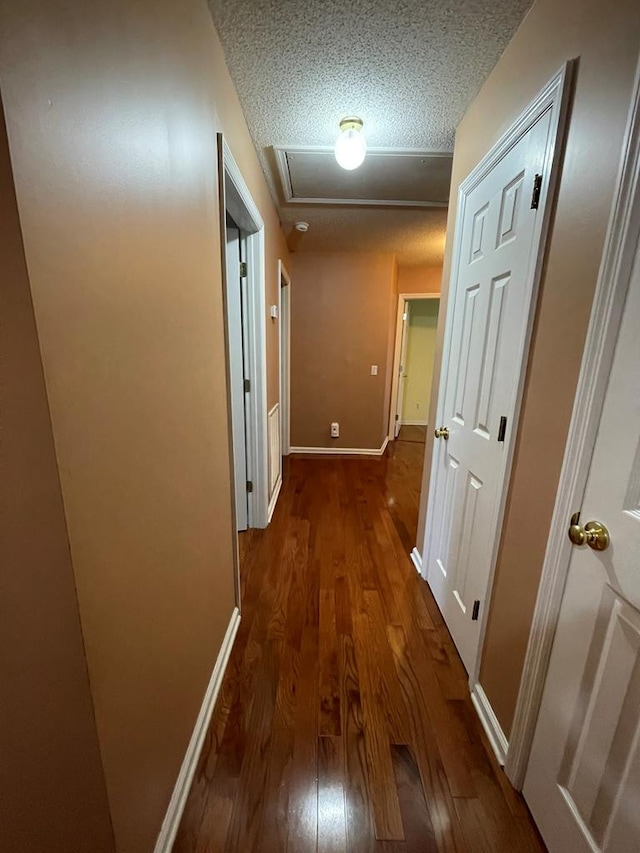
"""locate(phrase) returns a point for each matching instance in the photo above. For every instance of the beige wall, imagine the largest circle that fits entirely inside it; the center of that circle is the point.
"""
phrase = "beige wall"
(418, 366)
(342, 315)
(112, 117)
(605, 37)
(420, 279)
(51, 782)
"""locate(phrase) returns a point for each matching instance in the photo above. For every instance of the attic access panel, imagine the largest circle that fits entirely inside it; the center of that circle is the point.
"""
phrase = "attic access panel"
(387, 177)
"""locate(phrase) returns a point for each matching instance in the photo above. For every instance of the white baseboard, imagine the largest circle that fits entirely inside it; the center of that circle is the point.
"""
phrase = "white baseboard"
(416, 559)
(414, 423)
(273, 500)
(490, 724)
(178, 800)
(342, 451)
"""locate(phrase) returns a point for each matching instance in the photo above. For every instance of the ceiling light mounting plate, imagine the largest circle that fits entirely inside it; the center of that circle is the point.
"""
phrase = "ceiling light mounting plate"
(351, 123)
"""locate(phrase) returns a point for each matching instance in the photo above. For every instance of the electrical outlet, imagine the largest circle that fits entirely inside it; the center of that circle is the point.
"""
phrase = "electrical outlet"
(335, 430)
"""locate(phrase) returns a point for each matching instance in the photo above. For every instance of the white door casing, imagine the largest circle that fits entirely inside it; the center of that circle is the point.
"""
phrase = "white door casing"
(236, 307)
(583, 778)
(497, 257)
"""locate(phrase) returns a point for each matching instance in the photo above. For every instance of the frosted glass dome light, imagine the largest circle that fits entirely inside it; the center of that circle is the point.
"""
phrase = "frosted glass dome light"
(351, 146)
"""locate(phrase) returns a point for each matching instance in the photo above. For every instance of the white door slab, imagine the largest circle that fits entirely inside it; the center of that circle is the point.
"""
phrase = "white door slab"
(497, 255)
(583, 778)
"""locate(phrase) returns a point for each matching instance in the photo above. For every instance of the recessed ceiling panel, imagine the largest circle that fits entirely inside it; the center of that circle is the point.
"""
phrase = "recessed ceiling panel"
(398, 178)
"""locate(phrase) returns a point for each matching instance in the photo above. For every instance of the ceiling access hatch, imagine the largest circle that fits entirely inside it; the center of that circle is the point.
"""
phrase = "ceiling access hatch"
(388, 177)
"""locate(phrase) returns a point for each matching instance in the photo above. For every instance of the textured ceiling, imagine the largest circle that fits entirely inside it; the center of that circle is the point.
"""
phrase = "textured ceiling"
(409, 69)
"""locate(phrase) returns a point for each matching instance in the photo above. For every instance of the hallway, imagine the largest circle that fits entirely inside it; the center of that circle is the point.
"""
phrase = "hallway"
(344, 715)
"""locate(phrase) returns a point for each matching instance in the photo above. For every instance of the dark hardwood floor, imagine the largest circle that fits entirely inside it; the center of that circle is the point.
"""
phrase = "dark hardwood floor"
(344, 721)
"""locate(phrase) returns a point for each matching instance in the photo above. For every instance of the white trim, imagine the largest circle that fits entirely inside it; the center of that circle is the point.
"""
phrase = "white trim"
(393, 403)
(342, 451)
(615, 269)
(554, 97)
(414, 423)
(493, 730)
(284, 397)
(416, 559)
(239, 202)
(173, 815)
(282, 164)
(274, 499)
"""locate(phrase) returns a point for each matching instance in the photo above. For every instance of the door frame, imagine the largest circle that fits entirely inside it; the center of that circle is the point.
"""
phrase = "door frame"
(555, 97)
(284, 372)
(395, 378)
(237, 200)
(611, 288)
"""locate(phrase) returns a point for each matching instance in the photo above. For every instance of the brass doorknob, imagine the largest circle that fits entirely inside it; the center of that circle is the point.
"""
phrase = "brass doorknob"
(442, 432)
(594, 534)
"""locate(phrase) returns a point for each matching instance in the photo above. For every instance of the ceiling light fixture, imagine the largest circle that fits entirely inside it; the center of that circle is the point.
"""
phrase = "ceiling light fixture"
(351, 146)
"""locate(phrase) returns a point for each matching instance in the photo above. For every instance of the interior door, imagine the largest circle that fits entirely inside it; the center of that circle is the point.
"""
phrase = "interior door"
(235, 310)
(583, 778)
(402, 367)
(485, 349)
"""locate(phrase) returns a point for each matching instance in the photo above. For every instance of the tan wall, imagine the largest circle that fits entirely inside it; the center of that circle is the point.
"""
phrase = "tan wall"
(112, 117)
(419, 279)
(342, 312)
(51, 784)
(605, 37)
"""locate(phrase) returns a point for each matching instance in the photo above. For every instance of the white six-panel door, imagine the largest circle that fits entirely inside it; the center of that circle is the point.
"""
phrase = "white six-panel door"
(499, 237)
(583, 777)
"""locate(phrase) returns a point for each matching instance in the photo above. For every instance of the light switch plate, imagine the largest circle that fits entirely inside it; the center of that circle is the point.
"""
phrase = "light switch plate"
(374, 369)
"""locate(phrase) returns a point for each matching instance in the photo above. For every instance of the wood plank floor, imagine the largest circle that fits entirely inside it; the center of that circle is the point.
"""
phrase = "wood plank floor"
(344, 723)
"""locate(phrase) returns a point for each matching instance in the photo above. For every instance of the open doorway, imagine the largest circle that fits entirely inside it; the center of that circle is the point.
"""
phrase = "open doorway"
(414, 352)
(239, 383)
(242, 232)
(416, 330)
(284, 314)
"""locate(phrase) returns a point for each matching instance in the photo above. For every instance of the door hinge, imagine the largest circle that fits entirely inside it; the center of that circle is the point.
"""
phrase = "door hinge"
(475, 611)
(535, 195)
(249, 486)
(502, 429)
(397, 417)
(247, 386)
(243, 269)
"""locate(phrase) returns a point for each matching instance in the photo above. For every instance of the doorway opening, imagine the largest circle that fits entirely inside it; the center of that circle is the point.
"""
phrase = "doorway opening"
(239, 383)
(415, 347)
(242, 233)
(414, 352)
(284, 313)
